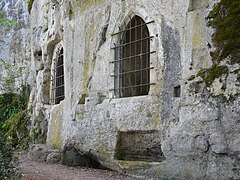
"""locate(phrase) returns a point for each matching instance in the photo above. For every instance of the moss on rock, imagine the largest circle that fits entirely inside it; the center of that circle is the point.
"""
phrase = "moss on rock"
(224, 18)
(30, 4)
(210, 74)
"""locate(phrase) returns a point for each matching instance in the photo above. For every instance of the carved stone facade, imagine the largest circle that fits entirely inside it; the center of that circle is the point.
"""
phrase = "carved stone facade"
(180, 129)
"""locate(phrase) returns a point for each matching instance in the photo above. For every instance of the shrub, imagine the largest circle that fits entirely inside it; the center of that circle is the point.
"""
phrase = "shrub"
(14, 123)
(6, 168)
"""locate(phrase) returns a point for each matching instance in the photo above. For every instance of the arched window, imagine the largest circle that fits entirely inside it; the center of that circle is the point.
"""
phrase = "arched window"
(132, 59)
(58, 77)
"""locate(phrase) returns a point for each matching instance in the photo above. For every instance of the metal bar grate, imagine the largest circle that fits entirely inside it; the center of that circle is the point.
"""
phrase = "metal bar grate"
(123, 31)
(132, 42)
(128, 72)
(58, 78)
(135, 86)
(137, 55)
(132, 59)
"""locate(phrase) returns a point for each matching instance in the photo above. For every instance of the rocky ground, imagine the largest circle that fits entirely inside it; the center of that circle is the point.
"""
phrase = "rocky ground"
(32, 170)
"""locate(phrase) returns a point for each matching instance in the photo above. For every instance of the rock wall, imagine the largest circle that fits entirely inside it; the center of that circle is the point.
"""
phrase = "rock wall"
(182, 129)
(14, 47)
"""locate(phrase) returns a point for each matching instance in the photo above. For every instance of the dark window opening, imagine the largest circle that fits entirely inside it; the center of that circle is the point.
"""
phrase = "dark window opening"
(177, 91)
(58, 78)
(132, 59)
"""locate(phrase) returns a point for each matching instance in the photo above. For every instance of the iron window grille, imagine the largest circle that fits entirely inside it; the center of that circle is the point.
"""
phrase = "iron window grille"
(58, 78)
(132, 59)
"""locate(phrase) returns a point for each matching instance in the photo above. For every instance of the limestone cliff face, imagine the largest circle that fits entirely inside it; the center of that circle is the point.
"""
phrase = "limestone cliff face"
(182, 129)
(14, 46)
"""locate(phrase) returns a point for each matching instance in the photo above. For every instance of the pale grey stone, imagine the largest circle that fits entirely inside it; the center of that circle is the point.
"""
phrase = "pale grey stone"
(196, 133)
(38, 152)
(54, 157)
(201, 143)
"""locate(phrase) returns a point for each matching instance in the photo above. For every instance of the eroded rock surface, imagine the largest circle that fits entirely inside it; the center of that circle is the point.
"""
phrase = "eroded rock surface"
(184, 128)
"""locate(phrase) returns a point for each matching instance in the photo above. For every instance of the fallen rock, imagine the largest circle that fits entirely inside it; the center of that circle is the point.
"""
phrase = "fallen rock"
(74, 157)
(38, 152)
(54, 157)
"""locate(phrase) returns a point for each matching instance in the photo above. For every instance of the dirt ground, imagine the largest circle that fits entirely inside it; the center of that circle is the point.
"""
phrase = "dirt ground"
(31, 170)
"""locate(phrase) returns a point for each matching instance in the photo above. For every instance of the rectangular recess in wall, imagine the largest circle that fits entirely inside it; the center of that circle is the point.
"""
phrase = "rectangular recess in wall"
(139, 146)
(197, 4)
(177, 91)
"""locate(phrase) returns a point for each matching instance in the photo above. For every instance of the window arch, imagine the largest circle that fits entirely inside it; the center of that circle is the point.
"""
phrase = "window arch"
(58, 77)
(132, 59)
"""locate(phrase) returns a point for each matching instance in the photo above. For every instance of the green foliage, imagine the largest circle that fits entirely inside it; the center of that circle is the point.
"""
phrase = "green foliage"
(14, 124)
(191, 78)
(7, 81)
(6, 168)
(224, 18)
(6, 23)
(16, 129)
(12, 109)
(11, 104)
(209, 75)
(163, 178)
(30, 4)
